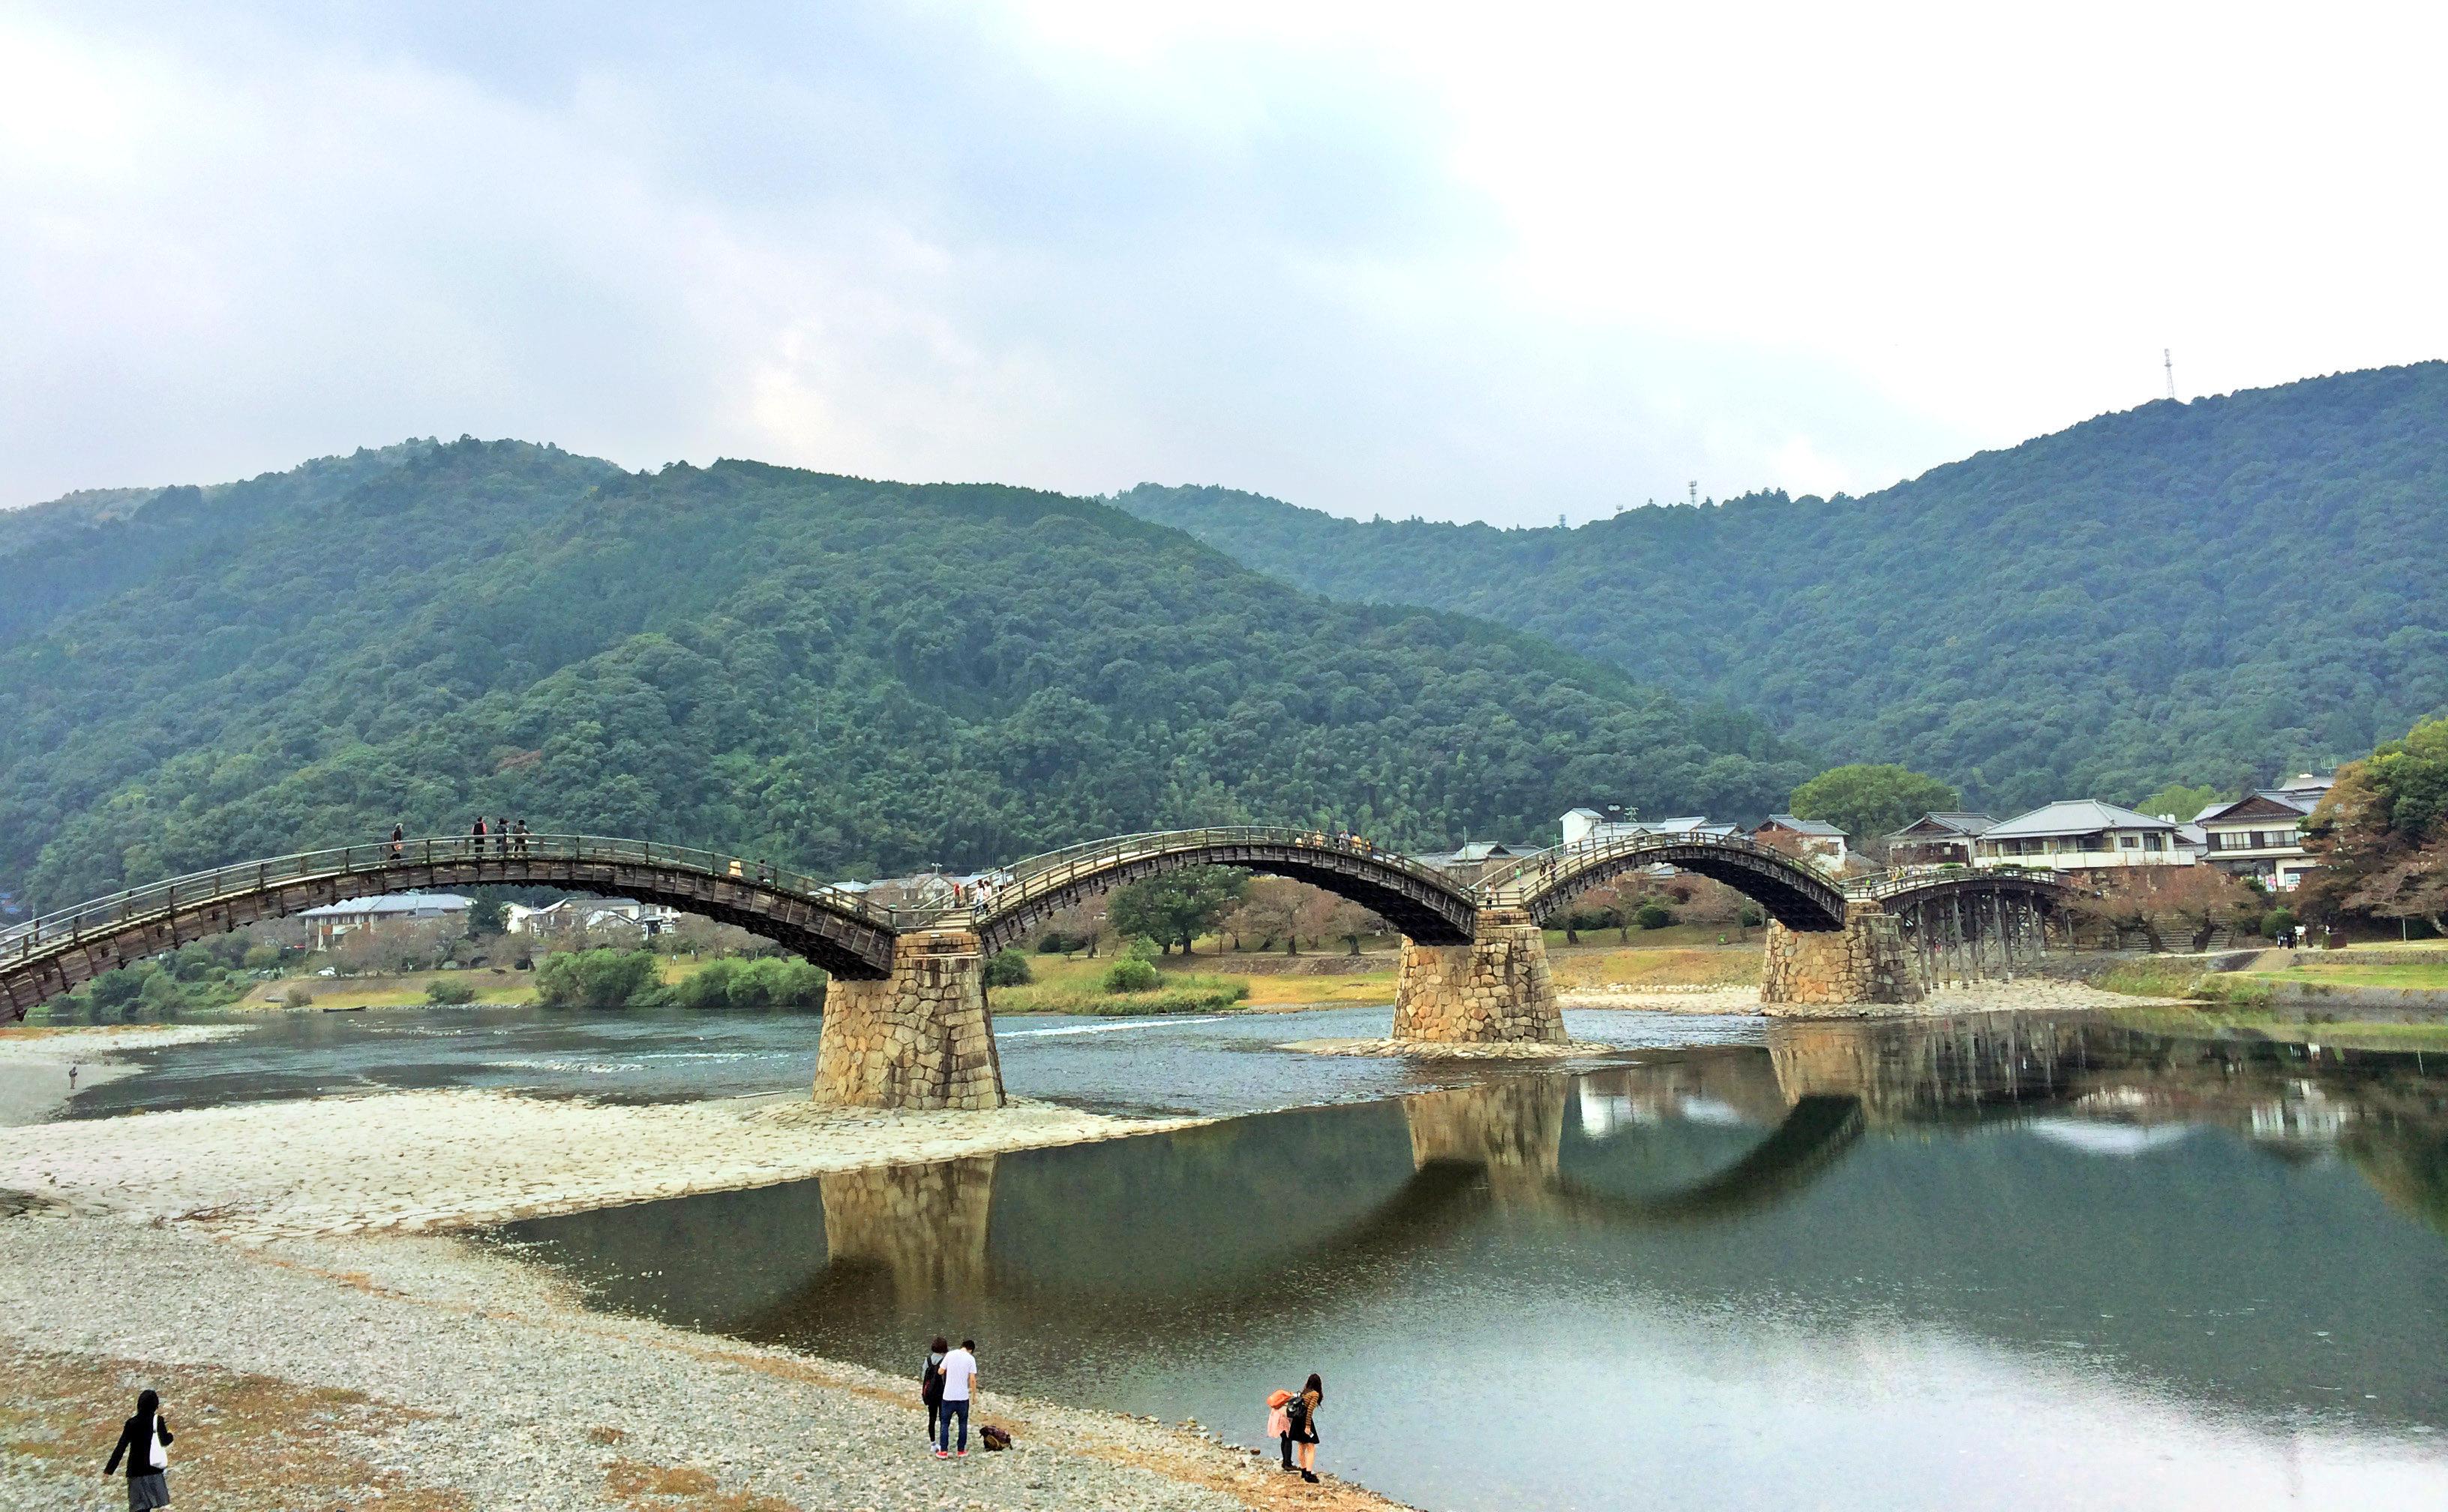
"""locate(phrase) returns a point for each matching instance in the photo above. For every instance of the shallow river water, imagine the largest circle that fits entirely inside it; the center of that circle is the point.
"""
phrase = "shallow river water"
(1996, 1262)
(2003, 1261)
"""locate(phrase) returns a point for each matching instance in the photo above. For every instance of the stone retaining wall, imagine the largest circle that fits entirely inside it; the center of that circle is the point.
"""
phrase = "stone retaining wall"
(919, 1038)
(1498, 988)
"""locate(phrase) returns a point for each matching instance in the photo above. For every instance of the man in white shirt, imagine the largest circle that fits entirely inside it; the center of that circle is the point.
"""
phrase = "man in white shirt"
(960, 1373)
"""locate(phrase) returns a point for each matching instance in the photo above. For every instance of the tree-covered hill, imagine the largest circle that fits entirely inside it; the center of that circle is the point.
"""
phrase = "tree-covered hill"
(847, 676)
(2203, 592)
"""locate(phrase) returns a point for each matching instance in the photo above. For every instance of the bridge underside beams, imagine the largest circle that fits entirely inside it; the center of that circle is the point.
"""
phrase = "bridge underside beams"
(1417, 910)
(845, 947)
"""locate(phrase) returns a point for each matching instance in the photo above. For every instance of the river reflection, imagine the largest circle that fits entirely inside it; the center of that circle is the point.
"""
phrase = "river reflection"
(1991, 1262)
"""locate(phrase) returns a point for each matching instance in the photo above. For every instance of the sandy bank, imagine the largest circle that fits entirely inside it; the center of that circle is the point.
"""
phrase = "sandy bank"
(1430, 1050)
(34, 1059)
(419, 1160)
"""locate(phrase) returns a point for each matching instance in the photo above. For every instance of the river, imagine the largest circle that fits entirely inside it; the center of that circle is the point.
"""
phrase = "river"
(2006, 1261)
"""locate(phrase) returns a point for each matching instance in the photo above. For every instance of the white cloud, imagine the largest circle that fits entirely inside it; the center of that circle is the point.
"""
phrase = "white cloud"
(1367, 257)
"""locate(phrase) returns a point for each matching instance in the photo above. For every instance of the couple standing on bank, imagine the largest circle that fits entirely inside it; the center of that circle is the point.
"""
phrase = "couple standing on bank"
(946, 1386)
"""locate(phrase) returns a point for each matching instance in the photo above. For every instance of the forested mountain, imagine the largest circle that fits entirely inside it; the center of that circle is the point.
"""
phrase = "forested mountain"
(2207, 592)
(847, 675)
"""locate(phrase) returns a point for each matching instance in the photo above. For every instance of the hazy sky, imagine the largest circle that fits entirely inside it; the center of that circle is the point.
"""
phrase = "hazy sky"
(1502, 262)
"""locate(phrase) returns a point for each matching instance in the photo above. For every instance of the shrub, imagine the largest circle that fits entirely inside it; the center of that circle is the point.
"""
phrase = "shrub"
(117, 989)
(2277, 922)
(1132, 973)
(1751, 916)
(1653, 915)
(1055, 941)
(598, 979)
(299, 996)
(449, 992)
(770, 982)
(262, 957)
(1143, 948)
(1010, 969)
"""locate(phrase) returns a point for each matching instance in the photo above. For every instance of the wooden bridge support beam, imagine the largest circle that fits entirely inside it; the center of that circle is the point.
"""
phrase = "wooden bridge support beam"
(919, 1038)
(1497, 989)
(1862, 962)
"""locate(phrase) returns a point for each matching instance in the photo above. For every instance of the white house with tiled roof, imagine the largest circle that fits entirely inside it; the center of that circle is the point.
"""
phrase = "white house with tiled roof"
(2082, 834)
(2260, 834)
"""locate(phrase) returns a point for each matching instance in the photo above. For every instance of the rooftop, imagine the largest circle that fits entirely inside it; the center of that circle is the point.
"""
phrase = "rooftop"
(2076, 817)
(1813, 826)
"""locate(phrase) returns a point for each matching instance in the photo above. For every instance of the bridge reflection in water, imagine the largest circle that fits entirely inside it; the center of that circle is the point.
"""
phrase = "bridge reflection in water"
(1847, 1181)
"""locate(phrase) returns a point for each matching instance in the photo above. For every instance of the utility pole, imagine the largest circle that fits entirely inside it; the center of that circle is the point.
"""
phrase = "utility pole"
(2167, 360)
(1694, 486)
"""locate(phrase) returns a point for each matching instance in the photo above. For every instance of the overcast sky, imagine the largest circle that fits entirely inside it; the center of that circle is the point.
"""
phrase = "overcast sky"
(1502, 262)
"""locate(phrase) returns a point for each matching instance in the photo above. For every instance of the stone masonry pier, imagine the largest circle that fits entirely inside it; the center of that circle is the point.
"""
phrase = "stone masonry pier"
(1862, 962)
(1497, 989)
(918, 1038)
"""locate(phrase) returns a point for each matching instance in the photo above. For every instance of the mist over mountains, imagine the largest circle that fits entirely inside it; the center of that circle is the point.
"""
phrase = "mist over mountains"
(2203, 592)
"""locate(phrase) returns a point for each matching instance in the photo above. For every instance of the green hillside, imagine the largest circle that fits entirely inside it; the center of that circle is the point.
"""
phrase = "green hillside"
(847, 675)
(2202, 592)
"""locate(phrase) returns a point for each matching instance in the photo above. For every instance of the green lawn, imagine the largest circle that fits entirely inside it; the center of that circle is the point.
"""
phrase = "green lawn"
(2346, 974)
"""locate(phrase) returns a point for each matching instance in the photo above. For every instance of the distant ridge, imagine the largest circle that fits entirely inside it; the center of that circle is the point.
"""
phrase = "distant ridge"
(2214, 592)
(845, 676)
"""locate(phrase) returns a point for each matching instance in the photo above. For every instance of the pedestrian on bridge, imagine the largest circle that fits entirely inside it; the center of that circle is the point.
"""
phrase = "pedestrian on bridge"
(398, 841)
(523, 836)
(501, 837)
(479, 833)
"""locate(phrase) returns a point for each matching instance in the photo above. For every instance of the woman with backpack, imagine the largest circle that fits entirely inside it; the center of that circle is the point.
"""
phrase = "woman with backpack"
(1302, 1412)
(930, 1382)
(145, 1440)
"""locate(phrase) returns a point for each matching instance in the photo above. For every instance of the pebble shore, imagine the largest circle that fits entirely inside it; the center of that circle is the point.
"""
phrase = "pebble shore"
(282, 1273)
(412, 1161)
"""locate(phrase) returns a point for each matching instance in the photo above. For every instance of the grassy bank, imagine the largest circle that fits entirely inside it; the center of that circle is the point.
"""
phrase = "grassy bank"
(1585, 968)
(2216, 1021)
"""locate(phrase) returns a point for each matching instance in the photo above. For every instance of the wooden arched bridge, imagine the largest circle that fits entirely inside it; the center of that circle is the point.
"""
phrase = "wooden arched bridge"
(906, 1022)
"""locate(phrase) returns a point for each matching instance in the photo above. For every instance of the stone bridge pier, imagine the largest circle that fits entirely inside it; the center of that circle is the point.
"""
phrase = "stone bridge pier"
(1497, 989)
(918, 1038)
(1862, 962)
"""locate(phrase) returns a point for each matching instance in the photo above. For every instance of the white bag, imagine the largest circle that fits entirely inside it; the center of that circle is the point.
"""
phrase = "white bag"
(160, 1452)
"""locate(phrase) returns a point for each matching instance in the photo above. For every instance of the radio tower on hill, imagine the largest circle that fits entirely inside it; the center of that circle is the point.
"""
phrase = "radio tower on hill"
(2167, 360)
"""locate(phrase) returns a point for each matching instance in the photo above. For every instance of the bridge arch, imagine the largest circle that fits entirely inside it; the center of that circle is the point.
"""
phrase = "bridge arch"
(1794, 894)
(60, 951)
(1420, 902)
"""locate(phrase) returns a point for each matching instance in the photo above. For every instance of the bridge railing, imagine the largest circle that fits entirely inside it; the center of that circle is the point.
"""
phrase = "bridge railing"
(1526, 871)
(108, 915)
(1056, 870)
(1913, 878)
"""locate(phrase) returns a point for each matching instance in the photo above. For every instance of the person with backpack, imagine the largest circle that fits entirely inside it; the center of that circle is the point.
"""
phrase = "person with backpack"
(960, 1370)
(930, 1384)
(1302, 1412)
(144, 1439)
(1279, 1421)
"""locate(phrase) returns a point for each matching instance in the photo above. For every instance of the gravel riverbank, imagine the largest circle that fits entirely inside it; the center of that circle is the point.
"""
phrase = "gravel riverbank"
(411, 1161)
(422, 1373)
(34, 1060)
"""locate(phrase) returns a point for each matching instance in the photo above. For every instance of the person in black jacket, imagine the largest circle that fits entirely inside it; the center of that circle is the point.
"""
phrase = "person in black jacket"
(149, 1485)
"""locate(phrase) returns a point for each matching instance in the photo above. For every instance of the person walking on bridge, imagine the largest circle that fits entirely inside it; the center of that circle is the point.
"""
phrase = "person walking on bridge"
(501, 837)
(479, 833)
(523, 836)
(398, 841)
